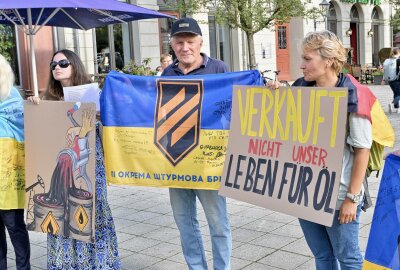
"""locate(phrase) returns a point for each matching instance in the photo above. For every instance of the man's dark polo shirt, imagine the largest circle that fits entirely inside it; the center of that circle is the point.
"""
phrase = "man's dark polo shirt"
(209, 66)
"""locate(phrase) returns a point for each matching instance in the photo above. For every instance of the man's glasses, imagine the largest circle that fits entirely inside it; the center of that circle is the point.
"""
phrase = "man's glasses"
(62, 64)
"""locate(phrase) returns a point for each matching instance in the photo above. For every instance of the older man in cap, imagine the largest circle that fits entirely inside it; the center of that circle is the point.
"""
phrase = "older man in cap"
(186, 42)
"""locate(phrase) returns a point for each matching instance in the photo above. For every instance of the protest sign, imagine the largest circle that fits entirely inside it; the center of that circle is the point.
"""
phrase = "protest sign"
(285, 149)
(60, 168)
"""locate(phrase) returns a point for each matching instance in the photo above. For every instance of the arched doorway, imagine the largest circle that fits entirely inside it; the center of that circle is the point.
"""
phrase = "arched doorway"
(332, 19)
(374, 34)
(354, 37)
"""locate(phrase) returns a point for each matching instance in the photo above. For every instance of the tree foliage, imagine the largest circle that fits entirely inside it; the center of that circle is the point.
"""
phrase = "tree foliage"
(251, 16)
(186, 7)
(395, 19)
(143, 69)
(6, 41)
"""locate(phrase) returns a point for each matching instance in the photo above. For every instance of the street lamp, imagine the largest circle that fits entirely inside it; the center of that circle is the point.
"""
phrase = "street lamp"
(324, 8)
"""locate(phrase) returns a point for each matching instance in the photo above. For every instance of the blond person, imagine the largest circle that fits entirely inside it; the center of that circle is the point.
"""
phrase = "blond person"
(12, 194)
(323, 56)
(165, 61)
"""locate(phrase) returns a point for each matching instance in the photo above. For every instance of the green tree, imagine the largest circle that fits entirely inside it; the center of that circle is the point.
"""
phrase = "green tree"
(251, 16)
(395, 19)
(6, 41)
(186, 7)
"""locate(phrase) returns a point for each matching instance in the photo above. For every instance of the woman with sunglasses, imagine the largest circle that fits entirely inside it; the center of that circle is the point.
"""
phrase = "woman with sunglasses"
(64, 253)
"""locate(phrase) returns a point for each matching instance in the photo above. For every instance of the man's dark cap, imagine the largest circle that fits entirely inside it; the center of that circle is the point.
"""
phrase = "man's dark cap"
(185, 25)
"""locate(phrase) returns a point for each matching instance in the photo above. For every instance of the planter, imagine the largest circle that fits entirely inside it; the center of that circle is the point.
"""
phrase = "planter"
(378, 79)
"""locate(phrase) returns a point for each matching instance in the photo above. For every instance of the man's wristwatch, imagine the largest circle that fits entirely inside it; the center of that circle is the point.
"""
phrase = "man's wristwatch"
(354, 198)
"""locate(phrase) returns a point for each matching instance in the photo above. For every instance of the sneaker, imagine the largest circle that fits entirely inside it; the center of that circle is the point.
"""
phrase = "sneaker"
(391, 108)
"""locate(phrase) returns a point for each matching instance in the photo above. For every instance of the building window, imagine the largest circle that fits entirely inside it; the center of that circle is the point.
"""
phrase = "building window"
(331, 19)
(8, 48)
(354, 17)
(220, 41)
(375, 14)
(165, 25)
(376, 22)
(118, 34)
(282, 44)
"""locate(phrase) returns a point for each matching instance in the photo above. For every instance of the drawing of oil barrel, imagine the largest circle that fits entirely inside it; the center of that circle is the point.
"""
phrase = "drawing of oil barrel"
(48, 217)
(80, 207)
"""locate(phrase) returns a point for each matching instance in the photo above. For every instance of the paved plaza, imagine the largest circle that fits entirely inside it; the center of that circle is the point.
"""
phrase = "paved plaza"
(262, 239)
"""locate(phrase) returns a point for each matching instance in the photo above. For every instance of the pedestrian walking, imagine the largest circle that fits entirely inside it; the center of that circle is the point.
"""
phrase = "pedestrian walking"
(186, 42)
(391, 68)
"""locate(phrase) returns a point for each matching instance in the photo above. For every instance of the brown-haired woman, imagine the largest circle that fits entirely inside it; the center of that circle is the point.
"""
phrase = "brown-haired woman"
(67, 69)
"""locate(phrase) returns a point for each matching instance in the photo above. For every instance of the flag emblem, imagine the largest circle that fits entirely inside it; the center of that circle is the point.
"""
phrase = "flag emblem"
(178, 117)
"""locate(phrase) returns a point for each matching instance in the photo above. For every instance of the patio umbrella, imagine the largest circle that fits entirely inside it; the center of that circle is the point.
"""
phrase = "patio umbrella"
(31, 15)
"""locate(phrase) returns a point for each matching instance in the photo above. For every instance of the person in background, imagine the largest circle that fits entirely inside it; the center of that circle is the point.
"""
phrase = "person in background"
(393, 62)
(12, 200)
(159, 70)
(165, 60)
(323, 56)
(186, 42)
(64, 253)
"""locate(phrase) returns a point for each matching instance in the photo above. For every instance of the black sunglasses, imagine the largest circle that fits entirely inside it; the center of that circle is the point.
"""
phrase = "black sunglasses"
(62, 64)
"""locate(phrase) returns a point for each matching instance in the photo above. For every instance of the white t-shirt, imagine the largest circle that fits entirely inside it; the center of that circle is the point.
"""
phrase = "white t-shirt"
(360, 136)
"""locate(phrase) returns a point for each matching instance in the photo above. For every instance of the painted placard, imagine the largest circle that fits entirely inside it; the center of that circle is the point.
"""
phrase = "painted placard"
(60, 168)
(285, 149)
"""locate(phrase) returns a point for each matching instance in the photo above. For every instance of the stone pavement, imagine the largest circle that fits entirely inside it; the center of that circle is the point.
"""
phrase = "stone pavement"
(262, 239)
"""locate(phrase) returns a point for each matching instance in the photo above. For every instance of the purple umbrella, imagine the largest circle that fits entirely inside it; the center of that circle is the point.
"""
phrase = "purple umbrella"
(31, 15)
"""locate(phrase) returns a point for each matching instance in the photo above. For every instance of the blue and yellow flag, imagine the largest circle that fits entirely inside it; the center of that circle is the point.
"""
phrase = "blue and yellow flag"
(168, 131)
(12, 155)
(384, 237)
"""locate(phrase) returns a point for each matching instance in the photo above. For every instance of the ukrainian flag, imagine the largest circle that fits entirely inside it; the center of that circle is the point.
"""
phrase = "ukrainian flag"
(384, 237)
(12, 155)
(168, 131)
(369, 107)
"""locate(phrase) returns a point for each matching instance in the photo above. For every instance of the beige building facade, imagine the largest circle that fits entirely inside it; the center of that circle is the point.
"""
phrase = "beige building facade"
(362, 25)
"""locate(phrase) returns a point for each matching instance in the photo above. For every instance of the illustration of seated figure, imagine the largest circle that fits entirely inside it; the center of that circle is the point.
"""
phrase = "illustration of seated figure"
(71, 163)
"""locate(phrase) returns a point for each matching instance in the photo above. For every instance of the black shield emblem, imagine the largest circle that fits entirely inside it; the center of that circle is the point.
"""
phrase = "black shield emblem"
(178, 117)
